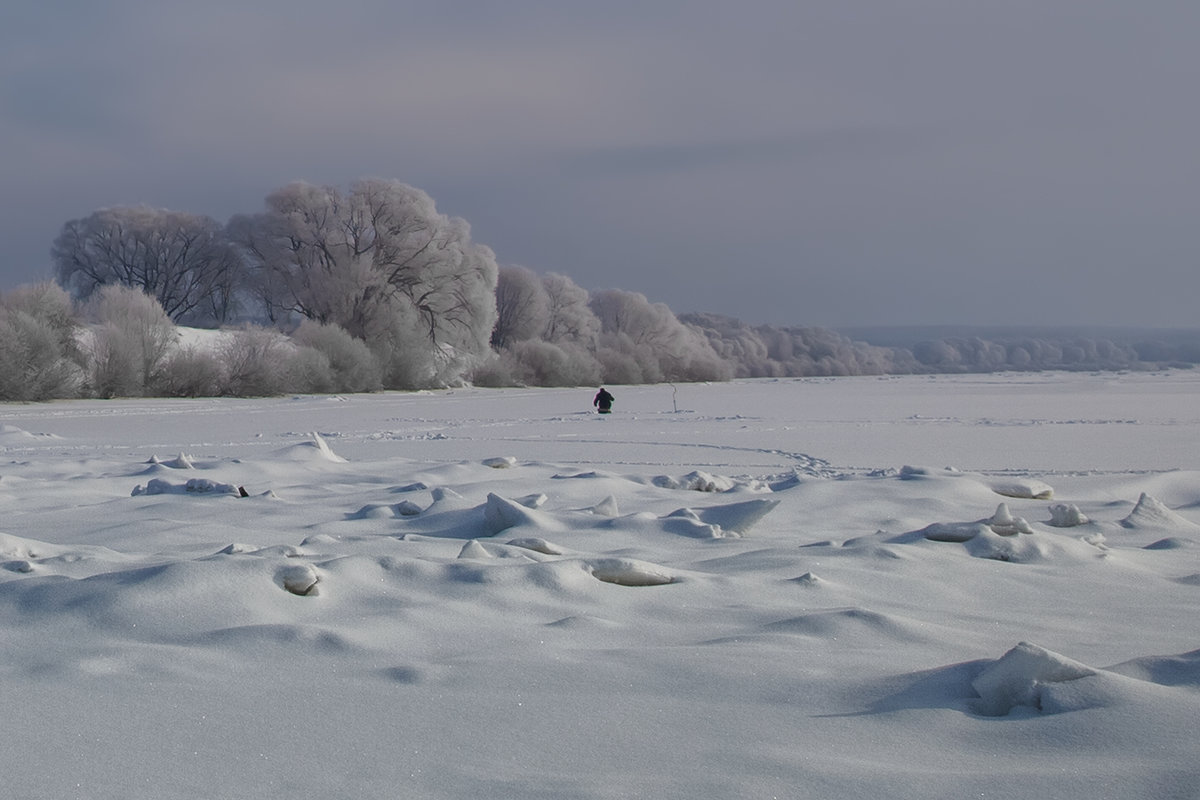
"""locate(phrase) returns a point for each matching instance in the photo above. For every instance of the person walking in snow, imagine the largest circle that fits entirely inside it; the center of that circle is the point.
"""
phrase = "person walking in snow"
(603, 401)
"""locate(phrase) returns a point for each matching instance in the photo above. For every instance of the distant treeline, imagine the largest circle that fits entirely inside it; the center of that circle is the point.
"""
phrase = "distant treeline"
(370, 289)
(121, 343)
(772, 351)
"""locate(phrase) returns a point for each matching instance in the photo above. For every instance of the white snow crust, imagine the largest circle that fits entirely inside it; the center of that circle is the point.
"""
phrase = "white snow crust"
(901, 587)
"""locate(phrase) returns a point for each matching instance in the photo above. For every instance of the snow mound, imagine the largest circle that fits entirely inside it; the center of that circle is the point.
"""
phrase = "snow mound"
(1001, 524)
(501, 462)
(1067, 515)
(196, 486)
(407, 508)
(1021, 677)
(1005, 524)
(728, 521)
(1032, 679)
(181, 461)
(500, 514)
(1006, 547)
(738, 517)
(375, 511)
(475, 549)
(299, 579)
(316, 449)
(953, 531)
(995, 537)
(686, 522)
(605, 508)
(11, 434)
(846, 625)
(1171, 543)
(630, 572)
(1022, 488)
(538, 546)
(1152, 513)
(696, 481)
(588, 475)
(443, 495)
(1174, 670)
(18, 547)
(809, 579)
(911, 472)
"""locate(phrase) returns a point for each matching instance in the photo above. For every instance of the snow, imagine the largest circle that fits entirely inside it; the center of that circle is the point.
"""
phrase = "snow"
(903, 587)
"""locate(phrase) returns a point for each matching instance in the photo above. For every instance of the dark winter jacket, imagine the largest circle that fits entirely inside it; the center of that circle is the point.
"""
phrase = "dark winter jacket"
(603, 401)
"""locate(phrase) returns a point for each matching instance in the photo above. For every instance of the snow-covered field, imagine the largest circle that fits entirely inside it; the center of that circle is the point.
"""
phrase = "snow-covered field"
(904, 587)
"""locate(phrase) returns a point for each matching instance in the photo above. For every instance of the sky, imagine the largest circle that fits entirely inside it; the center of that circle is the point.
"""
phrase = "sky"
(875, 162)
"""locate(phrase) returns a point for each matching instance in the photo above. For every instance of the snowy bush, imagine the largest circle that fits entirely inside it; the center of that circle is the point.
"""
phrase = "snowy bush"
(50, 303)
(130, 343)
(497, 371)
(401, 365)
(32, 363)
(619, 367)
(257, 362)
(39, 358)
(192, 372)
(352, 366)
(307, 370)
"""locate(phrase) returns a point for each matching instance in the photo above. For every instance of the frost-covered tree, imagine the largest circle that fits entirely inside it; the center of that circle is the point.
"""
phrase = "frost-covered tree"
(571, 319)
(737, 343)
(383, 264)
(522, 306)
(645, 340)
(534, 362)
(545, 335)
(631, 314)
(181, 260)
(769, 351)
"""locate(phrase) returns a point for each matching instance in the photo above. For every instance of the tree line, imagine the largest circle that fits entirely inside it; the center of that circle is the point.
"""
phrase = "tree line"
(372, 288)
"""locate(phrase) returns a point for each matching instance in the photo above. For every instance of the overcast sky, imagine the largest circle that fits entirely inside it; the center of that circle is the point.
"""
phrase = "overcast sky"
(823, 162)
